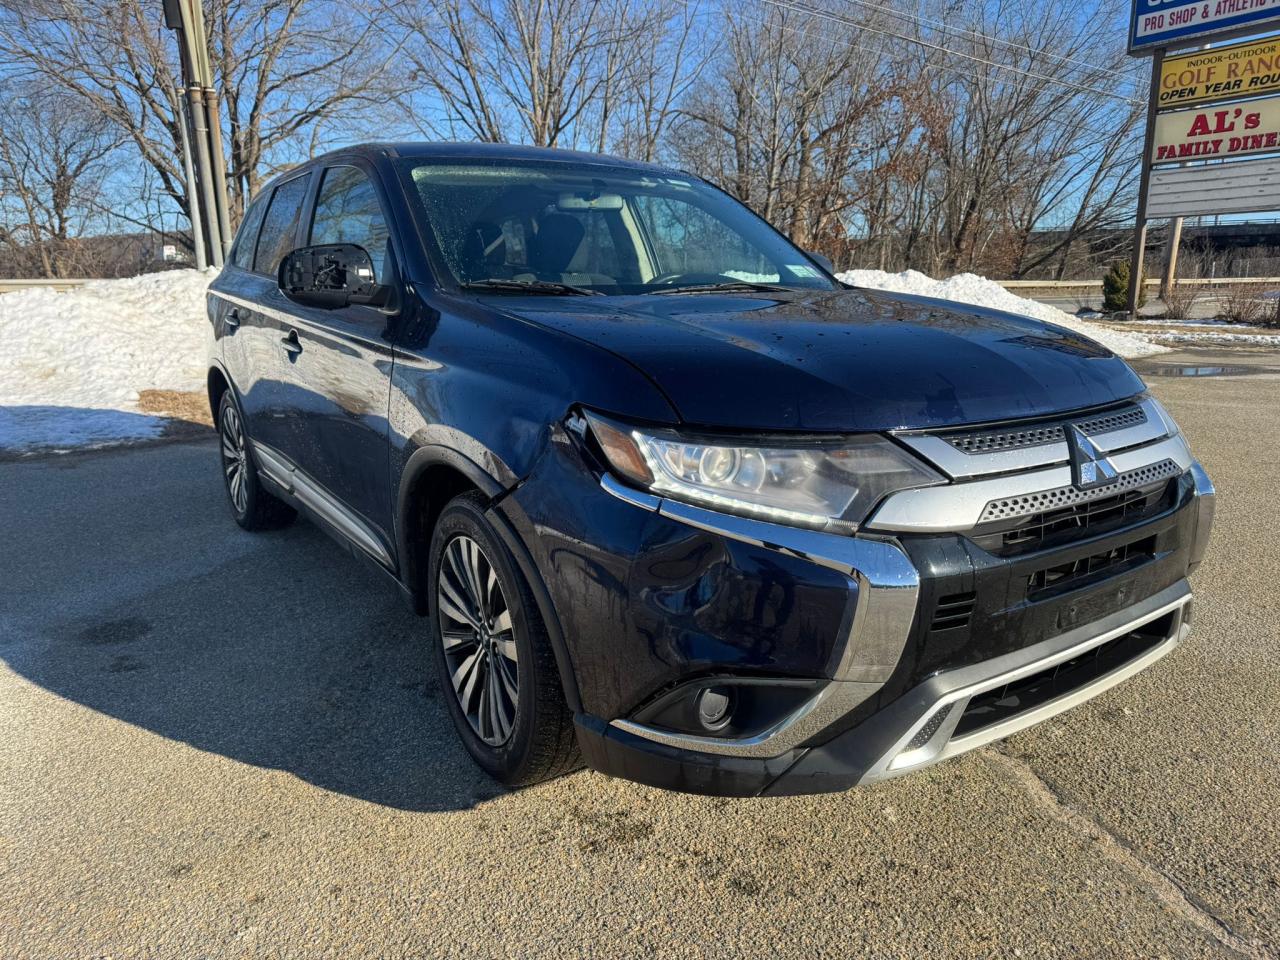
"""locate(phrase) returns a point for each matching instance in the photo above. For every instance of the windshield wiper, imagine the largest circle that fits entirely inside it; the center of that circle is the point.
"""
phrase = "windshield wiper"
(726, 286)
(532, 286)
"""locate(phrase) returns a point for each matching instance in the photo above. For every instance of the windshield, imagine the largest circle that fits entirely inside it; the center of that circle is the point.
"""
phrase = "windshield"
(565, 227)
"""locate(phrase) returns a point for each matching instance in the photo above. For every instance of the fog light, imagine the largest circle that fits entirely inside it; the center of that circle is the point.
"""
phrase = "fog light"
(715, 707)
(726, 706)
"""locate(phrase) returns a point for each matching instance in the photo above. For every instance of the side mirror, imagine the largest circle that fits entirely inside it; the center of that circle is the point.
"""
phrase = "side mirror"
(330, 276)
(824, 261)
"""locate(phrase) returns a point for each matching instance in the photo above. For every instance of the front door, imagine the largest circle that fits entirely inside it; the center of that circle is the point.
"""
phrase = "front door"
(337, 372)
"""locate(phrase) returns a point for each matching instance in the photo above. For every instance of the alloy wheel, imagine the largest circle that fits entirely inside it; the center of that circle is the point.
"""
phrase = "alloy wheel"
(235, 459)
(479, 640)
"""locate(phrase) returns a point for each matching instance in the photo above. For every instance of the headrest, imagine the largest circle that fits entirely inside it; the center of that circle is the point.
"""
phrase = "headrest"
(556, 243)
(483, 247)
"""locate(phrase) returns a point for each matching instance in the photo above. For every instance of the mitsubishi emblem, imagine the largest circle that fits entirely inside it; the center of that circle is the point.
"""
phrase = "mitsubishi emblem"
(1089, 465)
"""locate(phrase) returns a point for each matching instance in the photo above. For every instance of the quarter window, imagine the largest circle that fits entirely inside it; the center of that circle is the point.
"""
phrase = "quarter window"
(280, 225)
(247, 238)
(348, 211)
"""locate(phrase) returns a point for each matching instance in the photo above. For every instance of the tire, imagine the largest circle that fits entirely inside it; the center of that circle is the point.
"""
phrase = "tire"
(251, 505)
(486, 631)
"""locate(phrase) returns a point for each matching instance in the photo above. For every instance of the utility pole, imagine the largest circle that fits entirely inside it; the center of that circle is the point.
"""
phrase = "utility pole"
(193, 202)
(202, 134)
(1136, 264)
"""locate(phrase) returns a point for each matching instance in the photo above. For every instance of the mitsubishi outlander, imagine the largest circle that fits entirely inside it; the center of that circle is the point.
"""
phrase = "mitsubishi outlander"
(674, 501)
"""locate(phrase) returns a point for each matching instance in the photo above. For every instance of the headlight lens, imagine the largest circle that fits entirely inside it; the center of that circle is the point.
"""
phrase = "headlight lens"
(815, 484)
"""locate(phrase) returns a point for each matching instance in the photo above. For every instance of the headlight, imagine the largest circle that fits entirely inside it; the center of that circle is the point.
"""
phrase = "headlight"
(810, 483)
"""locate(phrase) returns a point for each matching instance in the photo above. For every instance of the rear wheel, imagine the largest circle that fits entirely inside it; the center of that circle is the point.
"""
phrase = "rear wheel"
(251, 505)
(492, 655)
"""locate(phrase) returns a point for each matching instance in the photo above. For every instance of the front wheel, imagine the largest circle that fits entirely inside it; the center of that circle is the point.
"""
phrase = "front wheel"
(492, 655)
(251, 505)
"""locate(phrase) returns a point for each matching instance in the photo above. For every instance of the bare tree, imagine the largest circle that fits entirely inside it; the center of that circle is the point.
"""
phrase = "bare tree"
(604, 75)
(53, 160)
(286, 68)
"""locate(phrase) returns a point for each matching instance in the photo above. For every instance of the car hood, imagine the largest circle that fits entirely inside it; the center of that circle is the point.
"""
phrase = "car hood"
(846, 360)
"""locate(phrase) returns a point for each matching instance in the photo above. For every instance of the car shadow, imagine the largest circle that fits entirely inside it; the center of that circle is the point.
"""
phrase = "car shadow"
(280, 650)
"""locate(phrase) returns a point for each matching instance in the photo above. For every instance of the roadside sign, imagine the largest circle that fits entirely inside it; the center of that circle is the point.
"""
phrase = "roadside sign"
(1250, 186)
(1207, 105)
(1223, 73)
(1166, 23)
(1217, 132)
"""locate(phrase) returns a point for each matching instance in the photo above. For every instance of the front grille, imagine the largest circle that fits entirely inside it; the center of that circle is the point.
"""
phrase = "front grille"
(953, 611)
(1045, 500)
(999, 704)
(1113, 421)
(1011, 440)
(1068, 524)
(1076, 573)
(990, 441)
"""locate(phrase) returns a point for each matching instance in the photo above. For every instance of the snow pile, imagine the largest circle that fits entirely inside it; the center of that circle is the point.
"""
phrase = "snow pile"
(71, 364)
(969, 288)
(1230, 339)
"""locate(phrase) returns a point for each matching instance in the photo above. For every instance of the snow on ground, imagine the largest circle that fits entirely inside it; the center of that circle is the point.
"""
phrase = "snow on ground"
(1230, 339)
(71, 364)
(969, 288)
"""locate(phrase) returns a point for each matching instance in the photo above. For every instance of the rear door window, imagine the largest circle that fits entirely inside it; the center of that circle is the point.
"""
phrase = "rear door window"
(280, 225)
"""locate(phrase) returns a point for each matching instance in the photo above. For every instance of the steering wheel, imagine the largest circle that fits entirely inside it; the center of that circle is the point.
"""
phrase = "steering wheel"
(690, 279)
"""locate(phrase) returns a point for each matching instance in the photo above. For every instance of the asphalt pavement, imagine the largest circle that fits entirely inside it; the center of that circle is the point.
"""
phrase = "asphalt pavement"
(218, 744)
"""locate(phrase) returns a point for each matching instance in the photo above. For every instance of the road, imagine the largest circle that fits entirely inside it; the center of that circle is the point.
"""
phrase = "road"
(215, 744)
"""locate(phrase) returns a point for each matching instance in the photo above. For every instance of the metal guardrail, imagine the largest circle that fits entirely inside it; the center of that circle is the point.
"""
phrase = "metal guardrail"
(61, 286)
(1097, 284)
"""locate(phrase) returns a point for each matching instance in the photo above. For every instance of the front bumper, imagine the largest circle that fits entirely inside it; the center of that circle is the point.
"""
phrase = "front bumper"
(905, 697)
(916, 730)
(654, 594)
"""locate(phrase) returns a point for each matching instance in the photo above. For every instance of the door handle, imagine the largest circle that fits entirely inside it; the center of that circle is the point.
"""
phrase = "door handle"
(291, 344)
(232, 318)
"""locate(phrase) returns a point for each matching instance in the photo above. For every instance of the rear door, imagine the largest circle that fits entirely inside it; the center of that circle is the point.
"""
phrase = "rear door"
(254, 311)
(337, 370)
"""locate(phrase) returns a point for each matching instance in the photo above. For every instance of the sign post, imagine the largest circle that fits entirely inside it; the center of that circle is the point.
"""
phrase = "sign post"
(1136, 264)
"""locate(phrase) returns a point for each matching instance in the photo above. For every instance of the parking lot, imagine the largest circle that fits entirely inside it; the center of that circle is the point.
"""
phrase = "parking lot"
(220, 744)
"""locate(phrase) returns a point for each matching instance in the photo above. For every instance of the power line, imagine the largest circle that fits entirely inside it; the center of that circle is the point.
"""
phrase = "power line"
(850, 22)
(977, 35)
(953, 70)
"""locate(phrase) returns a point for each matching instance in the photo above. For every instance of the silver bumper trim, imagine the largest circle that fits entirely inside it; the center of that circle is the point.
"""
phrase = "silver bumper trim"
(885, 586)
(1206, 502)
(950, 691)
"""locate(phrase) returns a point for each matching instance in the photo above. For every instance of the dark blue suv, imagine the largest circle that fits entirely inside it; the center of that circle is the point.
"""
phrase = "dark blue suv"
(676, 502)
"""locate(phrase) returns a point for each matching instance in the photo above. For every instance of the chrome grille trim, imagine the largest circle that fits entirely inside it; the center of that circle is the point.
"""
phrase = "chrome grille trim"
(1024, 505)
(1044, 444)
(958, 507)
